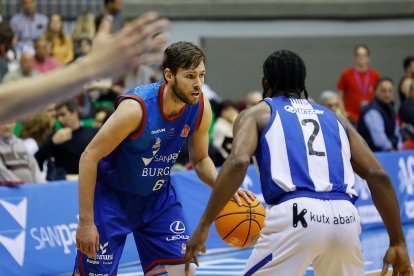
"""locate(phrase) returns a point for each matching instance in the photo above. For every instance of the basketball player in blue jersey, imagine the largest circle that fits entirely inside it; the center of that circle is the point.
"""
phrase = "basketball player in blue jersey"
(305, 156)
(124, 173)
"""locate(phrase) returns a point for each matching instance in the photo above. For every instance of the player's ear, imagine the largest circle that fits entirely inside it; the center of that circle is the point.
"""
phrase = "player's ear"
(168, 74)
(265, 86)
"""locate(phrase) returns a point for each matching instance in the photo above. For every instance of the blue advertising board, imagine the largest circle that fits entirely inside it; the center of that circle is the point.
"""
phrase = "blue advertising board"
(37, 229)
(38, 221)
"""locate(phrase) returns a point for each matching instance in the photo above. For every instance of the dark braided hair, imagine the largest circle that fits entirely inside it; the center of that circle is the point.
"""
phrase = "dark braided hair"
(285, 73)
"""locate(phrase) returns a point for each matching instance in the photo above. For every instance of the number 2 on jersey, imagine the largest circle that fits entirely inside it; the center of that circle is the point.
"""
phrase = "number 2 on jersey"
(315, 132)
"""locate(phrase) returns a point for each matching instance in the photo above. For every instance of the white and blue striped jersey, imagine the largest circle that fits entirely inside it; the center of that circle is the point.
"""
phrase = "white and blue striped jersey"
(304, 151)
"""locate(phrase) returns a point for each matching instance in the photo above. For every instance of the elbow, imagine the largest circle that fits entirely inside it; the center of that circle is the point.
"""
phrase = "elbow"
(238, 162)
(87, 157)
(84, 156)
(377, 176)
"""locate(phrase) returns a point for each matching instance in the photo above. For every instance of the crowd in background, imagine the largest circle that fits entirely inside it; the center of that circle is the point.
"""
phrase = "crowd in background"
(47, 145)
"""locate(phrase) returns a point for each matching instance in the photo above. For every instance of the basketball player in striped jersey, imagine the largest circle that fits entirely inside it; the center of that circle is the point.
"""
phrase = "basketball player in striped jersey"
(124, 180)
(305, 156)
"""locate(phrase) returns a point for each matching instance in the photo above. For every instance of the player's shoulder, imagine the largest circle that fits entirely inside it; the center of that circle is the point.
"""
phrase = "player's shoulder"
(130, 105)
(146, 91)
(260, 113)
(264, 106)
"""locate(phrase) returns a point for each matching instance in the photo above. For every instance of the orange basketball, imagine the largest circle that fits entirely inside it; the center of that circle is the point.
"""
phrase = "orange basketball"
(240, 226)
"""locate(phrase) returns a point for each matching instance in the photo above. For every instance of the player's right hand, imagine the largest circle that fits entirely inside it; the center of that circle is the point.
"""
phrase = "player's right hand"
(87, 239)
(397, 256)
(113, 55)
(195, 245)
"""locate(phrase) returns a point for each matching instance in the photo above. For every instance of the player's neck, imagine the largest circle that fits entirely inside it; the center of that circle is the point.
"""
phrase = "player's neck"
(171, 104)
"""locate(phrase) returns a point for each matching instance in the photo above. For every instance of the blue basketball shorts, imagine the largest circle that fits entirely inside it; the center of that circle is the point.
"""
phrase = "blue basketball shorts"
(156, 222)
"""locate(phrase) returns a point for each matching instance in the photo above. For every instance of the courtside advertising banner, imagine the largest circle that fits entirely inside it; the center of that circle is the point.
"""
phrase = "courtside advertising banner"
(38, 227)
(38, 221)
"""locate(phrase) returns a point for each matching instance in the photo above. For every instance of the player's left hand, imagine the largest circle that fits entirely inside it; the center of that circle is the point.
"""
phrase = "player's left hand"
(246, 194)
(196, 245)
(397, 256)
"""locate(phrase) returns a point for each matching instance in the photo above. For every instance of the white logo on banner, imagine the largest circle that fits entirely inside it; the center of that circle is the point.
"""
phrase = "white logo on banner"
(16, 246)
(406, 177)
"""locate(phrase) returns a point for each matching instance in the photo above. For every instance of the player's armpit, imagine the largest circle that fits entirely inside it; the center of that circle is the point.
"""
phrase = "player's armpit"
(126, 119)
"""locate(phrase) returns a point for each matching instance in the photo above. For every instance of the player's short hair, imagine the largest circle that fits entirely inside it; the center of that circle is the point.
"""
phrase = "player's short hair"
(407, 61)
(361, 46)
(285, 72)
(182, 54)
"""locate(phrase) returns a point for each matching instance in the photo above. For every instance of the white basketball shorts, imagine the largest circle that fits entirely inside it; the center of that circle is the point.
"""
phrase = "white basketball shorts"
(303, 231)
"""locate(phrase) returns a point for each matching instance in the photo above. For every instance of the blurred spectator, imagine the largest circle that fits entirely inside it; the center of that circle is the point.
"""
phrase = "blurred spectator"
(84, 29)
(378, 124)
(28, 25)
(330, 100)
(35, 130)
(84, 26)
(101, 116)
(405, 82)
(85, 47)
(223, 129)
(112, 13)
(406, 110)
(6, 40)
(144, 74)
(25, 69)
(43, 62)
(101, 90)
(51, 112)
(406, 113)
(253, 97)
(356, 84)
(112, 56)
(62, 45)
(84, 99)
(64, 147)
(17, 164)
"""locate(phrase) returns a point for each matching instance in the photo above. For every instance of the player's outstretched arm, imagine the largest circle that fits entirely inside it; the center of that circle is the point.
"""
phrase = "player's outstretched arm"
(367, 166)
(125, 120)
(111, 56)
(228, 181)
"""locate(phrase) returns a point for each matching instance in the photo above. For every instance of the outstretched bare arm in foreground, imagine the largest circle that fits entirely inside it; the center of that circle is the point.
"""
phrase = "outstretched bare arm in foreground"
(111, 56)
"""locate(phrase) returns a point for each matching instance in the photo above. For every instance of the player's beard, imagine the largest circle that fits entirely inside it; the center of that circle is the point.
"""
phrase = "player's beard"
(181, 95)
